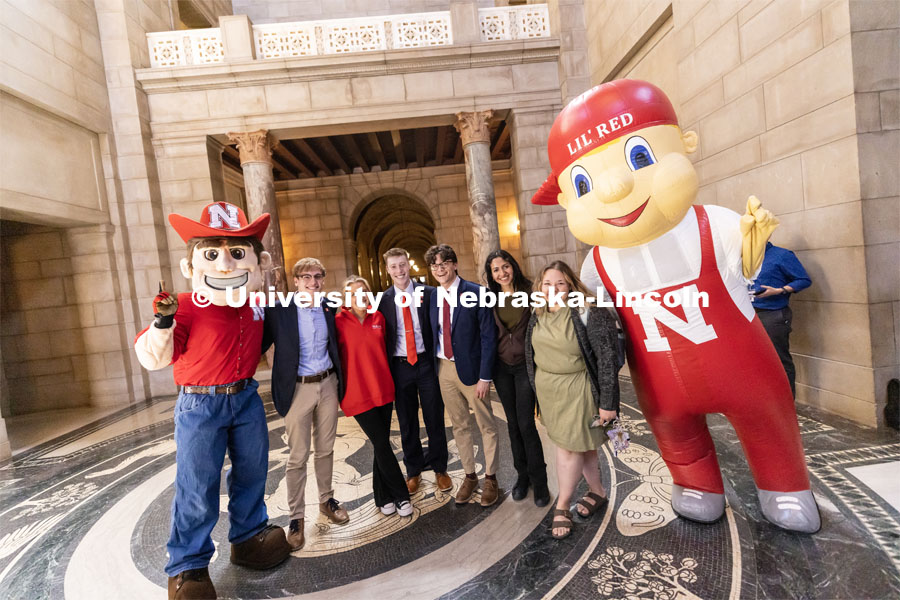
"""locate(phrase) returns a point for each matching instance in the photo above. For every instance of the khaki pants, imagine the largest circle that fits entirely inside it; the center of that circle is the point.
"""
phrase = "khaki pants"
(459, 398)
(314, 410)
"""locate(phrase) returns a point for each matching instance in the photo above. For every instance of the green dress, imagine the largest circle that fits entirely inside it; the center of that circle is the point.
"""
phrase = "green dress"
(563, 389)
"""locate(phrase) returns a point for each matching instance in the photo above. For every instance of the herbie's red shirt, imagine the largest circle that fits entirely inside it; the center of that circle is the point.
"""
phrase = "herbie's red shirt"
(364, 359)
(215, 345)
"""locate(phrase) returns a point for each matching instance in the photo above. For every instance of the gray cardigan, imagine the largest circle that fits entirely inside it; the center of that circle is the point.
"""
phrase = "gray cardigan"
(599, 347)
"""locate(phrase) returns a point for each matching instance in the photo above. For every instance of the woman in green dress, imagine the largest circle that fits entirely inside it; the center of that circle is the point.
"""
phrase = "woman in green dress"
(572, 361)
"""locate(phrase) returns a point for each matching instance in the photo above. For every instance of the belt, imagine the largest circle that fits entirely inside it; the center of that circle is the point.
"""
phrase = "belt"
(233, 388)
(404, 359)
(315, 378)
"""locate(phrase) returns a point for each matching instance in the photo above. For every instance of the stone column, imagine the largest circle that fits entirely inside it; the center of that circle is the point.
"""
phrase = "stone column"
(476, 139)
(259, 185)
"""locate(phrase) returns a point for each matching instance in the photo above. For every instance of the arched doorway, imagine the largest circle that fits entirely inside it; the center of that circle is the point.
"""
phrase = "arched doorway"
(390, 221)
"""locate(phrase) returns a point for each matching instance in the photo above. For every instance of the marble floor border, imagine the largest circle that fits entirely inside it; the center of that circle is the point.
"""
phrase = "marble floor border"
(878, 521)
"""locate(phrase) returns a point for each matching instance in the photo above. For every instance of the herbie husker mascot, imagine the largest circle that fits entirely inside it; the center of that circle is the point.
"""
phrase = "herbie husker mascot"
(621, 171)
(215, 350)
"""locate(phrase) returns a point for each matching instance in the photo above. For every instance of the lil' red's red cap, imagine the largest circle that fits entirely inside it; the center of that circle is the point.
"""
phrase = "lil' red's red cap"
(220, 219)
(599, 116)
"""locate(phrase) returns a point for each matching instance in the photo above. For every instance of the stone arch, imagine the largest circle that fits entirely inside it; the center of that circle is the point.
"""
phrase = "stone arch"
(390, 219)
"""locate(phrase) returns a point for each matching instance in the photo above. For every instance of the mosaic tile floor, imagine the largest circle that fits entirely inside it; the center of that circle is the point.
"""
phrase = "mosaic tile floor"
(86, 515)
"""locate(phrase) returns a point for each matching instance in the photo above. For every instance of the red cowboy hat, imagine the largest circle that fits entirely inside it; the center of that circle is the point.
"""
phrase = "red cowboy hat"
(220, 219)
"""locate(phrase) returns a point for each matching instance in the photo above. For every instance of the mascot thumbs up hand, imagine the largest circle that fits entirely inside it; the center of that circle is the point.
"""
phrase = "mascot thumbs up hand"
(621, 171)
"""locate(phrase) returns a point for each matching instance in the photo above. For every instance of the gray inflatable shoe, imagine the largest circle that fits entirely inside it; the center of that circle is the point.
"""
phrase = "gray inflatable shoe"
(794, 511)
(705, 507)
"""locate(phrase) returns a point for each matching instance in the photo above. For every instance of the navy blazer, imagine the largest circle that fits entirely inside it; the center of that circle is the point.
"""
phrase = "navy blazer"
(389, 309)
(281, 328)
(473, 335)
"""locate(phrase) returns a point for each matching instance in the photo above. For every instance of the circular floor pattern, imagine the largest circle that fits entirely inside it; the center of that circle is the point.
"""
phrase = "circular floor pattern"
(91, 521)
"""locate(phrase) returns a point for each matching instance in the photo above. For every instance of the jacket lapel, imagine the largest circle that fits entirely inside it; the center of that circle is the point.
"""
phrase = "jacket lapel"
(459, 291)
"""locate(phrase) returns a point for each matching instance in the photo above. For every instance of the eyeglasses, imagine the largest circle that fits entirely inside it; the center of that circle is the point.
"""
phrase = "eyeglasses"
(441, 266)
(309, 277)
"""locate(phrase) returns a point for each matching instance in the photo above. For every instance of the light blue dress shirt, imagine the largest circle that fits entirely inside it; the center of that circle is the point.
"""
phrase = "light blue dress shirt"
(313, 341)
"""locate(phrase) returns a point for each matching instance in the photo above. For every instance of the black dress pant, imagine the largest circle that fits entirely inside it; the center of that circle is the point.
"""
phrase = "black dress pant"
(412, 384)
(388, 484)
(518, 402)
(778, 325)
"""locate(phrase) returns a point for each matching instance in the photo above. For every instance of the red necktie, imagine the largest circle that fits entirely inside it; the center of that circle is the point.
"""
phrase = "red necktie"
(446, 343)
(411, 356)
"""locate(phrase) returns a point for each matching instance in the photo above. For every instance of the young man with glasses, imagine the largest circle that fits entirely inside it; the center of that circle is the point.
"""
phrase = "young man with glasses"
(465, 344)
(409, 343)
(307, 386)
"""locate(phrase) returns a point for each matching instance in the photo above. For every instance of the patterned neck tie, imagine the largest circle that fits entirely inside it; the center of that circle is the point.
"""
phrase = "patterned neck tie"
(446, 343)
(411, 356)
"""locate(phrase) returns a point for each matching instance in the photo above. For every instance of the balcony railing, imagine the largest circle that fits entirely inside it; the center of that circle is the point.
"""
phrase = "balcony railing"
(341, 36)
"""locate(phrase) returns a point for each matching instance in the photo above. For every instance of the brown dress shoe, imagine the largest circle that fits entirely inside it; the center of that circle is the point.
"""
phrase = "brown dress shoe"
(466, 490)
(412, 484)
(193, 584)
(444, 483)
(295, 535)
(490, 491)
(265, 550)
(331, 508)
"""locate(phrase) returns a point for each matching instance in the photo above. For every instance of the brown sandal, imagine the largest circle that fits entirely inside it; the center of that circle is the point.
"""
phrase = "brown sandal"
(597, 503)
(562, 519)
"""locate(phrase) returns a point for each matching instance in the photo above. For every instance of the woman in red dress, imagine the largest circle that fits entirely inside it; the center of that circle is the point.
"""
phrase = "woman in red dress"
(369, 394)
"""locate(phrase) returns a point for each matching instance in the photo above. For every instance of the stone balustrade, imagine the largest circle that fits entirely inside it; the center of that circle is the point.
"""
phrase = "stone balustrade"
(341, 36)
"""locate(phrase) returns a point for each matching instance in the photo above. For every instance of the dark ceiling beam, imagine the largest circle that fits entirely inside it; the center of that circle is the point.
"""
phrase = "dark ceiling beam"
(356, 154)
(325, 142)
(284, 153)
(398, 148)
(420, 146)
(439, 144)
(280, 167)
(377, 150)
(500, 142)
(311, 154)
(232, 152)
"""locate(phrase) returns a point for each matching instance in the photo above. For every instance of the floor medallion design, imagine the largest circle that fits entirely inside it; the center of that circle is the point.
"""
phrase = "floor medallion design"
(86, 515)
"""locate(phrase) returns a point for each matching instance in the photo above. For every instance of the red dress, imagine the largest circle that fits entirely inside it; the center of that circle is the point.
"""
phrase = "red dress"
(734, 371)
(364, 360)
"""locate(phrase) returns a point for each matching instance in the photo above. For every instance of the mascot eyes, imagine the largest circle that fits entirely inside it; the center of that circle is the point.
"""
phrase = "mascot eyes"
(638, 153)
(237, 253)
(581, 181)
(210, 255)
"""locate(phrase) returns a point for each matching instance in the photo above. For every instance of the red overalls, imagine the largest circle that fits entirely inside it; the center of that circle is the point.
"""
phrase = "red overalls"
(737, 373)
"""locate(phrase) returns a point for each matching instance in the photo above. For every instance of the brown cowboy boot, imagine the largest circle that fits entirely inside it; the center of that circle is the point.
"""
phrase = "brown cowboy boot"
(265, 550)
(193, 584)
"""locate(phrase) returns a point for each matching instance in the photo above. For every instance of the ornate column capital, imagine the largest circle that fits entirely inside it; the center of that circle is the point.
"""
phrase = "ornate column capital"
(253, 145)
(473, 126)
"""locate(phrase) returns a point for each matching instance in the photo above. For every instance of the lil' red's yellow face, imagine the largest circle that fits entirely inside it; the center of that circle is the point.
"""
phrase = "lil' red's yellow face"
(631, 190)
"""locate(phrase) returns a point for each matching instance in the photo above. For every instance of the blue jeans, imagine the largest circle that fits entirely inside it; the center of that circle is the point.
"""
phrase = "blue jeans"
(206, 426)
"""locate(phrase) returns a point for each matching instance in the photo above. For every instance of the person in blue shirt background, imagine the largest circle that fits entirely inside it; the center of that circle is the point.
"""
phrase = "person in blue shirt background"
(781, 275)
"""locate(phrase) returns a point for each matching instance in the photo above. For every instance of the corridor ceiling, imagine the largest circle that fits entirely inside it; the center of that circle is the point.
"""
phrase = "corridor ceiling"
(364, 152)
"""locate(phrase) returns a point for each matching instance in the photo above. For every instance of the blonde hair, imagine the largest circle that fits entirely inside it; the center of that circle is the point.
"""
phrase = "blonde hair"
(574, 282)
(396, 252)
(355, 279)
(345, 287)
(307, 264)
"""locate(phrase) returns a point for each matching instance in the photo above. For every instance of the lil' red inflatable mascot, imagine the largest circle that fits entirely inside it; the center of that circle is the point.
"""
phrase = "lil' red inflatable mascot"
(621, 171)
